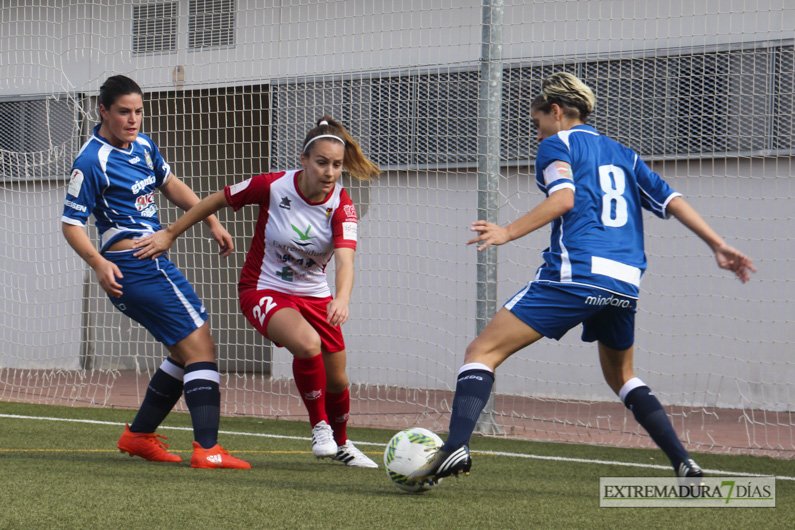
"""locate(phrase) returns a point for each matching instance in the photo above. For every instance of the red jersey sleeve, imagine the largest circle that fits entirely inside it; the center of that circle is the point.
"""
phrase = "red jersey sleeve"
(256, 190)
(344, 223)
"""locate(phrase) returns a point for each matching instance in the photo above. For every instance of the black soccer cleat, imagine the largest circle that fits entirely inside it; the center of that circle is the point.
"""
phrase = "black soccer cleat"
(443, 464)
(689, 468)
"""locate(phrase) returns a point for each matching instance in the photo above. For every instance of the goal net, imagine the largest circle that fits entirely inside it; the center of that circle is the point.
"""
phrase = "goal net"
(703, 92)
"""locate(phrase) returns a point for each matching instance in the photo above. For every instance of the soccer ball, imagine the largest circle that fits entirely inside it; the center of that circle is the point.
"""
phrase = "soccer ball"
(407, 451)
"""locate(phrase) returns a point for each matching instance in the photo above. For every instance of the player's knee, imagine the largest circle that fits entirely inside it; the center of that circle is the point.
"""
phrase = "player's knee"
(616, 379)
(336, 386)
(475, 353)
(306, 346)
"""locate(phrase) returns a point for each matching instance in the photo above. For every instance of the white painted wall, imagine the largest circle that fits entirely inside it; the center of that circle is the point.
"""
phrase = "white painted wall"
(41, 281)
(75, 46)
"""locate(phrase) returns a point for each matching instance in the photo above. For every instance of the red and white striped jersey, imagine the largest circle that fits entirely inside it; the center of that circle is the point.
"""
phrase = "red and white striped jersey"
(294, 239)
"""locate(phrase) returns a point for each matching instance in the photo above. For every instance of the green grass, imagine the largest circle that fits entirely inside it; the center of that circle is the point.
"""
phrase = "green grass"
(62, 474)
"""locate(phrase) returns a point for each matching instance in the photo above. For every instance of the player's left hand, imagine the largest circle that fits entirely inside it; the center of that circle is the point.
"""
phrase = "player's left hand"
(153, 246)
(223, 239)
(337, 312)
(731, 259)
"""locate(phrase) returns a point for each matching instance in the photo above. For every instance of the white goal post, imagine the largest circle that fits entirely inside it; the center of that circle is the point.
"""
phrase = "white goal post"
(706, 95)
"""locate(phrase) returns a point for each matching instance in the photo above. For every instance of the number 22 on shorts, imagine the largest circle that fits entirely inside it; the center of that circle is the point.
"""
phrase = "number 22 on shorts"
(258, 311)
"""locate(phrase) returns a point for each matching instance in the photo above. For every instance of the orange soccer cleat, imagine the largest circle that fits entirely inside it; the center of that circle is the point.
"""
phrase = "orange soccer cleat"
(214, 458)
(147, 445)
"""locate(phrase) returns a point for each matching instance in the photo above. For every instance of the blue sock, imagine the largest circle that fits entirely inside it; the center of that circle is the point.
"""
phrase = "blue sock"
(472, 391)
(163, 392)
(650, 414)
(203, 398)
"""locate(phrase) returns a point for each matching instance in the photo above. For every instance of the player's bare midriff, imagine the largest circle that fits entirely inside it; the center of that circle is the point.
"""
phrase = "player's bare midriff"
(122, 244)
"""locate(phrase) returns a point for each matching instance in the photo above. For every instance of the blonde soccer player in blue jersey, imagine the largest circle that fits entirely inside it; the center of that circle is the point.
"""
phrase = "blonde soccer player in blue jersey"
(596, 190)
(114, 178)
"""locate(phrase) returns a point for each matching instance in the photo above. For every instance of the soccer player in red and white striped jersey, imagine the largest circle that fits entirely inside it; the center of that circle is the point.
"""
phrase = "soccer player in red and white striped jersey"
(305, 219)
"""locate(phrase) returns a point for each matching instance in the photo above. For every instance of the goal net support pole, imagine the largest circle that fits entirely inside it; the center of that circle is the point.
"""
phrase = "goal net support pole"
(489, 118)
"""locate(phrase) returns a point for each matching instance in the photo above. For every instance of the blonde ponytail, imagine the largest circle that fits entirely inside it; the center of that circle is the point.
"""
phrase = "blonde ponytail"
(355, 163)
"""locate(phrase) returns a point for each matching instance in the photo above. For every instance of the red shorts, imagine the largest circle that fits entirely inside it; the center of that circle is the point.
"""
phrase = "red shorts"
(259, 306)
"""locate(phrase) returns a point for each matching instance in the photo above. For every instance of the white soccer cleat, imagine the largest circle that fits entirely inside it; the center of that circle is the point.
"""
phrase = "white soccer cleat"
(349, 455)
(323, 444)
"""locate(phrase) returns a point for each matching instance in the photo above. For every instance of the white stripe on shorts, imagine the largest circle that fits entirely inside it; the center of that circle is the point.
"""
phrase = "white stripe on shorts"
(512, 302)
(197, 319)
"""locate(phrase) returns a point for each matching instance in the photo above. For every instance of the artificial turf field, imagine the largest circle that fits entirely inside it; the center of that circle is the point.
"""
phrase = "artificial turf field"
(61, 469)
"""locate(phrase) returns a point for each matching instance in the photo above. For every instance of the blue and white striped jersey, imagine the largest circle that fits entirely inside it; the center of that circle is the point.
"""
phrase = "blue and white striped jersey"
(599, 242)
(117, 186)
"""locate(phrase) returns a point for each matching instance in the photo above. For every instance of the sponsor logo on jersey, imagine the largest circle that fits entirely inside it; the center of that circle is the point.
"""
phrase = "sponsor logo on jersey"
(75, 183)
(75, 206)
(350, 211)
(134, 160)
(350, 231)
(142, 202)
(149, 212)
(304, 238)
(285, 204)
(148, 159)
(234, 189)
(608, 300)
(289, 248)
(286, 274)
(142, 184)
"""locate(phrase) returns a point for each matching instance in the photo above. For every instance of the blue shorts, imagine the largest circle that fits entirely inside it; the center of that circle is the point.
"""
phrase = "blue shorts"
(552, 310)
(157, 296)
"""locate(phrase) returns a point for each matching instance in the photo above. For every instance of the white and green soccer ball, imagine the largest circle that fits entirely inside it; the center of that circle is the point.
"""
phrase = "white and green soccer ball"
(407, 451)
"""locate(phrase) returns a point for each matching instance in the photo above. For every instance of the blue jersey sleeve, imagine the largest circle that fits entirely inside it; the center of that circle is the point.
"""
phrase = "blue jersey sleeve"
(655, 193)
(81, 193)
(551, 150)
(162, 169)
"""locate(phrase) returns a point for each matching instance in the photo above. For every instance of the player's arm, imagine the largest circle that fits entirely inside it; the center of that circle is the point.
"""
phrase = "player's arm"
(182, 196)
(158, 243)
(559, 178)
(107, 272)
(727, 257)
(337, 311)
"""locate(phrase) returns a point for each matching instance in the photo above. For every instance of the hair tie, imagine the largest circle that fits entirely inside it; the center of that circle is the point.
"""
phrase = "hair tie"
(324, 136)
(323, 122)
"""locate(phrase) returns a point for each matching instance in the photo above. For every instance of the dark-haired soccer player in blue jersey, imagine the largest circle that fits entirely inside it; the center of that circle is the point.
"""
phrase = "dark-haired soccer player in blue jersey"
(595, 191)
(114, 177)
